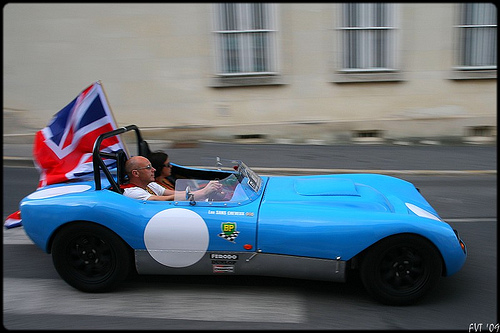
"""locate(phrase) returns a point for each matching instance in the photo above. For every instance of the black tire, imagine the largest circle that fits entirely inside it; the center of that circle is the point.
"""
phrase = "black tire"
(90, 257)
(401, 269)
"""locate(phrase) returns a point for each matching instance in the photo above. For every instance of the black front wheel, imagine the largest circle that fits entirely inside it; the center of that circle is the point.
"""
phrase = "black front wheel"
(90, 257)
(401, 269)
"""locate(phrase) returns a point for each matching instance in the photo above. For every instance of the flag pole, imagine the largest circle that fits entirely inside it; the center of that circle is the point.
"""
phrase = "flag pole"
(113, 116)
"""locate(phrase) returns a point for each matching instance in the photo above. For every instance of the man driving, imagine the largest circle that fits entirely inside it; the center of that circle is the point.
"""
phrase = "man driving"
(142, 183)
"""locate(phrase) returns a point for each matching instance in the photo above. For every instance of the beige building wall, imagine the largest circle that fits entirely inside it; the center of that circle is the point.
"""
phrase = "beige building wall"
(156, 63)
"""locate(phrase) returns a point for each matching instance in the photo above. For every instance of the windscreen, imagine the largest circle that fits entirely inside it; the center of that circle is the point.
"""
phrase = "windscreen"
(240, 185)
(195, 189)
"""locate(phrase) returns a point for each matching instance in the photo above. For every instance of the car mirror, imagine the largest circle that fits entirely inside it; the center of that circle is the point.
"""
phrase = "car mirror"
(190, 196)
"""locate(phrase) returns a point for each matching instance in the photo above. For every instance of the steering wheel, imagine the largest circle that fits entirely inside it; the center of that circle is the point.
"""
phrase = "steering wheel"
(225, 193)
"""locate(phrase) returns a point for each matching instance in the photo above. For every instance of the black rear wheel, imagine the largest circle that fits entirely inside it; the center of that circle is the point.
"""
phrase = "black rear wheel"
(90, 257)
(401, 269)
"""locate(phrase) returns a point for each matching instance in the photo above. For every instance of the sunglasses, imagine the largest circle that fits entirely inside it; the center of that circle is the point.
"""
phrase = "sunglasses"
(168, 165)
(149, 166)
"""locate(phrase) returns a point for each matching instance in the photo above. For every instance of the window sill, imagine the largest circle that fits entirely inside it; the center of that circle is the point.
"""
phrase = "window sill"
(343, 77)
(243, 81)
(472, 74)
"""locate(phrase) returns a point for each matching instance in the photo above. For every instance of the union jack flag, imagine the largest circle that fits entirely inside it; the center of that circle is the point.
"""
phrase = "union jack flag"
(63, 150)
(13, 220)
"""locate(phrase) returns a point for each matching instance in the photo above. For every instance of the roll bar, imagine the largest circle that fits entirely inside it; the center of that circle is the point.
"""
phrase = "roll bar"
(119, 156)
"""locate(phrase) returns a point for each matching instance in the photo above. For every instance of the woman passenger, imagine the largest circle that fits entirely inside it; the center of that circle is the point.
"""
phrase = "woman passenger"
(159, 160)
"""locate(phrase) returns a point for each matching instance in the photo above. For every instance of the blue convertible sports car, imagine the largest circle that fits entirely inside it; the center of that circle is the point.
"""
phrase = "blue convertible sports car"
(310, 227)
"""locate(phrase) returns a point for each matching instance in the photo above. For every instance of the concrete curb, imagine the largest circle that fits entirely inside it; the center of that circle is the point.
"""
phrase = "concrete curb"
(18, 161)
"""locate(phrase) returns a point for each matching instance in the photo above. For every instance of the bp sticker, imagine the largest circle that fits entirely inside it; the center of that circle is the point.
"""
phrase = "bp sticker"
(229, 231)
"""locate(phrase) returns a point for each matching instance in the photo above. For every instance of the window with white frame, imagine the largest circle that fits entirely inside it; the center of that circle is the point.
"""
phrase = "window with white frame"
(367, 38)
(245, 38)
(477, 36)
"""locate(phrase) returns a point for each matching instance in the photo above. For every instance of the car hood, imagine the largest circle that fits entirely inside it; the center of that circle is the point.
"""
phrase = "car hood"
(369, 192)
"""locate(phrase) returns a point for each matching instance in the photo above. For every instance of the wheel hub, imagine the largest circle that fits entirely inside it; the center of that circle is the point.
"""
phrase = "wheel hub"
(402, 268)
(91, 257)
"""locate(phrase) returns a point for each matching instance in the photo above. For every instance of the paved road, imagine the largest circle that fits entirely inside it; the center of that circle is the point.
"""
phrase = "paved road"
(36, 298)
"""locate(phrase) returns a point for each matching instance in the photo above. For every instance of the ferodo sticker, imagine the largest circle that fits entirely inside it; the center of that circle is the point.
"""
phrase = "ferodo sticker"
(229, 231)
(224, 256)
(223, 259)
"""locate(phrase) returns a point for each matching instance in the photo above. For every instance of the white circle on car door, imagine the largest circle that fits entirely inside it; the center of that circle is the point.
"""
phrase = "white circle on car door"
(176, 237)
